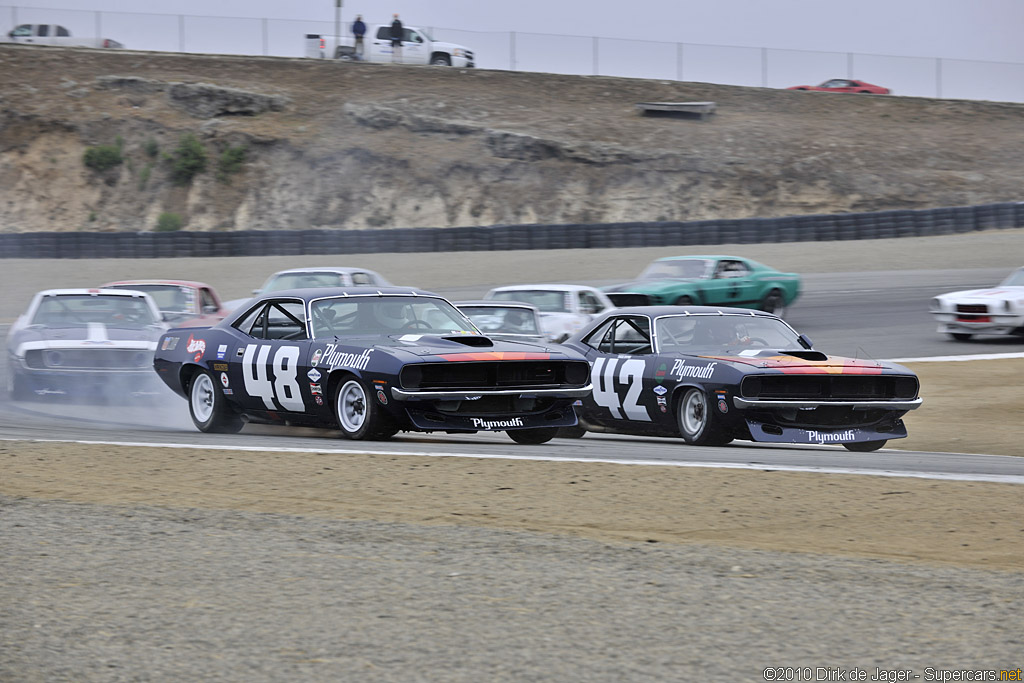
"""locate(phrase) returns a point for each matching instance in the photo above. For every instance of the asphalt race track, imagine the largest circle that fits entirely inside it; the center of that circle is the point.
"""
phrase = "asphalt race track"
(872, 314)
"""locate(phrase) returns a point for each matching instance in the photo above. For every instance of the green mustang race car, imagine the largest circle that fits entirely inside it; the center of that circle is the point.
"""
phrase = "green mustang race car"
(709, 281)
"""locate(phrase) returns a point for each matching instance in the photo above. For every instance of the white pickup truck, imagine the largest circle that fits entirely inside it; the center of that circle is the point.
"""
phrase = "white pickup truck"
(52, 34)
(417, 48)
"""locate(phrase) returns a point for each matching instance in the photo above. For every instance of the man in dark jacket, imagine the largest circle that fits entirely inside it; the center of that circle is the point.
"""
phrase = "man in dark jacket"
(359, 30)
(397, 33)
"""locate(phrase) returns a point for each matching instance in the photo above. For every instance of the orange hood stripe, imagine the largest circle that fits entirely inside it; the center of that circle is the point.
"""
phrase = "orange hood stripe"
(495, 355)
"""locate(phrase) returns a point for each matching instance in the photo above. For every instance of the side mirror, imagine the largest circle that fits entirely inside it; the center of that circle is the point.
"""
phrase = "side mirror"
(255, 291)
(210, 308)
(805, 341)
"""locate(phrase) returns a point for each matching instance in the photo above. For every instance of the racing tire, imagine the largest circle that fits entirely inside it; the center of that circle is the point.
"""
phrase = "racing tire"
(574, 432)
(865, 446)
(684, 301)
(698, 422)
(533, 436)
(774, 303)
(208, 407)
(358, 415)
(17, 387)
(961, 336)
(441, 60)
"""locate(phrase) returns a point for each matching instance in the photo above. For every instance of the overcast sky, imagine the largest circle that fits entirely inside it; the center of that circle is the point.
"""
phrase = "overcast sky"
(986, 30)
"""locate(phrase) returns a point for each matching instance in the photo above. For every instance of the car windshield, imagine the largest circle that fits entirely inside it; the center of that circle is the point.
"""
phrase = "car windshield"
(174, 299)
(81, 310)
(385, 315)
(684, 269)
(546, 300)
(503, 319)
(305, 281)
(714, 333)
(1016, 279)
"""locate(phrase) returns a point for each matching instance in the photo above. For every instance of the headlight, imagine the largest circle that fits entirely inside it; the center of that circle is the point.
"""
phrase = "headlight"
(458, 52)
(935, 305)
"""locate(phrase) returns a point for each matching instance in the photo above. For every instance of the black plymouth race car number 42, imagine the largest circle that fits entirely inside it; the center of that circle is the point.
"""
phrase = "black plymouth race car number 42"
(712, 375)
(371, 363)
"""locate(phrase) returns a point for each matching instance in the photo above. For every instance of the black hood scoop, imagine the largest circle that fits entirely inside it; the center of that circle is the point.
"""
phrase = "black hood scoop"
(805, 354)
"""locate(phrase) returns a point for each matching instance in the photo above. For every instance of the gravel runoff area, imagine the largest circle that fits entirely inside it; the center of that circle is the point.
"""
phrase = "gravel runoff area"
(158, 564)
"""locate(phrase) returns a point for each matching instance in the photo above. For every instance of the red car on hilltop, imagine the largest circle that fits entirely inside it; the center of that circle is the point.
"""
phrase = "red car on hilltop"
(845, 85)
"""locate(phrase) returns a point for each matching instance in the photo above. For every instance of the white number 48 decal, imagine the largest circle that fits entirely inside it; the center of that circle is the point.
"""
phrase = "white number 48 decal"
(285, 386)
(631, 374)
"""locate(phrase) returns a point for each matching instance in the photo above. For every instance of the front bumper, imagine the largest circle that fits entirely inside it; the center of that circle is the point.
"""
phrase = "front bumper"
(412, 395)
(760, 431)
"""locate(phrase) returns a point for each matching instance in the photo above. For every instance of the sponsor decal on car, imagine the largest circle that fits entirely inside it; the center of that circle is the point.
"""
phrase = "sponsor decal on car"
(196, 346)
(316, 357)
(382, 397)
(169, 344)
(723, 405)
(224, 380)
(660, 390)
(339, 359)
(497, 424)
(830, 437)
(220, 367)
(680, 370)
(229, 392)
(314, 375)
(659, 374)
(319, 400)
(222, 351)
(316, 390)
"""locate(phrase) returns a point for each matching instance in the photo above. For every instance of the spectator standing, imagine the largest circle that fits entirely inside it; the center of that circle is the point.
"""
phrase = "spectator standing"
(359, 30)
(397, 33)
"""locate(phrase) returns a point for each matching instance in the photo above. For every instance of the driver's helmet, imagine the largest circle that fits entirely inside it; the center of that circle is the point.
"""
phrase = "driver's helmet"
(515, 319)
(390, 314)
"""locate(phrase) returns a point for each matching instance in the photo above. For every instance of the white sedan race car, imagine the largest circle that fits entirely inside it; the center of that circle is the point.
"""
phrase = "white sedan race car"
(998, 310)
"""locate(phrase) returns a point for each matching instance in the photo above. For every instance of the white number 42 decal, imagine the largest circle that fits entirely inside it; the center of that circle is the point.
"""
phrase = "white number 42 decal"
(630, 373)
(285, 386)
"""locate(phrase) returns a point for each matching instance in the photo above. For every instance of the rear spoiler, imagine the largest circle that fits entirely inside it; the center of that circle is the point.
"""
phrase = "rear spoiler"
(621, 299)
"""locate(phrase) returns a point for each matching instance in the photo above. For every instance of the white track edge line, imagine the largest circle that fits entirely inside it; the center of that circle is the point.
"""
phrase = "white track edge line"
(994, 478)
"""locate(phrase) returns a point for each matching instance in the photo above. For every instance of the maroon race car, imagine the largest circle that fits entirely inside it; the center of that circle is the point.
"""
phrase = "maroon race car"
(183, 303)
(845, 85)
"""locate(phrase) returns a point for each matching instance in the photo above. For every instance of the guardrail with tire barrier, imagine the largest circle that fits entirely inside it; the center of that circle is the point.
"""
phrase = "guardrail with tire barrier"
(823, 227)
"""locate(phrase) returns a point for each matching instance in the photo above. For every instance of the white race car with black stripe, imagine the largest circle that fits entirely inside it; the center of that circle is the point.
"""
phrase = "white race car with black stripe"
(86, 344)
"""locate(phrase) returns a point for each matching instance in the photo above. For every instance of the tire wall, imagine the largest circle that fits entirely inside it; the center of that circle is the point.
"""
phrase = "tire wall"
(847, 226)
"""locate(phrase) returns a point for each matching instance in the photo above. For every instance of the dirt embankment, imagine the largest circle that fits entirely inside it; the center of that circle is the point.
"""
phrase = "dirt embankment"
(359, 145)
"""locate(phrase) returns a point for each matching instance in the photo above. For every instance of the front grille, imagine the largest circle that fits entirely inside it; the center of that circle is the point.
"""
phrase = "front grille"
(972, 308)
(494, 374)
(495, 405)
(826, 387)
(89, 359)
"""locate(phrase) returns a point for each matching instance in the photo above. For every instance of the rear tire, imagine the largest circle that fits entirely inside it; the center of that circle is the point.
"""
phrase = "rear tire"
(359, 417)
(684, 301)
(961, 336)
(534, 436)
(774, 303)
(698, 422)
(865, 446)
(208, 407)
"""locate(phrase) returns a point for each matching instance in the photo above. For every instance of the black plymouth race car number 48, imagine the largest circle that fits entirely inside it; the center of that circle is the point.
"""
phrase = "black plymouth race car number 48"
(371, 363)
(712, 375)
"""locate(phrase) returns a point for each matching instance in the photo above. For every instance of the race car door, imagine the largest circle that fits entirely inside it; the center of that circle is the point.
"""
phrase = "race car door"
(267, 366)
(730, 284)
(619, 352)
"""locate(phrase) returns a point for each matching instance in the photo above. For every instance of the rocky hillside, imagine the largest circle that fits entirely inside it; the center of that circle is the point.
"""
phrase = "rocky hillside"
(296, 143)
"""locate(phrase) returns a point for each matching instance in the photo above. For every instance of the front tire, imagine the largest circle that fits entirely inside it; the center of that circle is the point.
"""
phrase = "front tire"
(684, 301)
(698, 422)
(359, 417)
(774, 303)
(534, 436)
(574, 432)
(961, 336)
(441, 60)
(208, 407)
(865, 446)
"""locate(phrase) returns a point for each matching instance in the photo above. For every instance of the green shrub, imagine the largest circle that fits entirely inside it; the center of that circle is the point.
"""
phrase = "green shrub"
(102, 157)
(230, 162)
(169, 222)
(151, 148)
(144, 175)
(188, 159)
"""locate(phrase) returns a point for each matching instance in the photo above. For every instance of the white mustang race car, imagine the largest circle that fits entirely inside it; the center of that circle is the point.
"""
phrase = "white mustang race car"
(998, 310)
